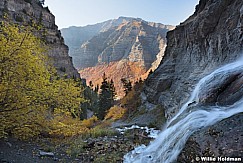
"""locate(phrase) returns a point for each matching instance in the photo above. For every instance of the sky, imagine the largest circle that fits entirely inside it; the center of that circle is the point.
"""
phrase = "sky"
(85, 12)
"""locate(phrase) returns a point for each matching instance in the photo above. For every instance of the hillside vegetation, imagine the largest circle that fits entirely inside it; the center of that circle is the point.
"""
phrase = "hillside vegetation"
(31, 96)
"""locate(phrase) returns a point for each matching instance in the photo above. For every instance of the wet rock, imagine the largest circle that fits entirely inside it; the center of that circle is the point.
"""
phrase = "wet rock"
(55, 159)
(233, 92)
(91, 158)
(223, 89)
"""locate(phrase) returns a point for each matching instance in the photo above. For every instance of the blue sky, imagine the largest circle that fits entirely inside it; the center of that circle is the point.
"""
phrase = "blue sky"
(84, 12)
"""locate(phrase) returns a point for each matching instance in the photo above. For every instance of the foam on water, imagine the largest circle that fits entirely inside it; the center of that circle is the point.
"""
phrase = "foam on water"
(152, 132)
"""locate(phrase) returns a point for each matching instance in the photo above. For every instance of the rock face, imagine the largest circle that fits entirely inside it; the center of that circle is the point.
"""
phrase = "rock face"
(208, 39)
(211, 37)
(27, 11)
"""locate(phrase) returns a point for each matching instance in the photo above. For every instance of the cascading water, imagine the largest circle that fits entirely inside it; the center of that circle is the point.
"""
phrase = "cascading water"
(167, 146)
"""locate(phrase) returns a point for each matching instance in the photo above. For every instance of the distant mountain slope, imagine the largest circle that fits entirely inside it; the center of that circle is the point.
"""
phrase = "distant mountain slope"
(136, 41)
(76, 36)
(123, 48)
(113, 40)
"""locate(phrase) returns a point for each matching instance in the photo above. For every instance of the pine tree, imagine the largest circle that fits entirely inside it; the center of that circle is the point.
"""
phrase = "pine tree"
(91, 84)
(91, 98)
(112, 89)
(97, 87)
(106, 97)
(127, 85)
(150, 72)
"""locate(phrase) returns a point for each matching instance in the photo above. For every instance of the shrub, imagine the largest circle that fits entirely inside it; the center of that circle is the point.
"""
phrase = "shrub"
(111, 157)
(115, 113)
(76, 148)
(24, 77)
(89, 122)
(65, 126)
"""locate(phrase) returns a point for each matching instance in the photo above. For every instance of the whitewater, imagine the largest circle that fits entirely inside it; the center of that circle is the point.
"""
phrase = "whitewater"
(191, 117)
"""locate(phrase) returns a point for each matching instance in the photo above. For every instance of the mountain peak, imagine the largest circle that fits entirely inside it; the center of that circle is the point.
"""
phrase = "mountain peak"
(129, 18)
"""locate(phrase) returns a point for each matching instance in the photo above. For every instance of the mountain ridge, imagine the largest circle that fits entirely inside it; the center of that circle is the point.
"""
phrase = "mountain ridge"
(103, 26)
(76, 37)
(73, 34)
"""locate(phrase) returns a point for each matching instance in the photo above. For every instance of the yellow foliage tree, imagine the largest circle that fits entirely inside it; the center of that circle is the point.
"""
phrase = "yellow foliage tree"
(65, 95)
(29, 92)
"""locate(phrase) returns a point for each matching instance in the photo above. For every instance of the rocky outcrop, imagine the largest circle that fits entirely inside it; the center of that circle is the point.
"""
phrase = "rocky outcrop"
(29, 11)
(211, 37)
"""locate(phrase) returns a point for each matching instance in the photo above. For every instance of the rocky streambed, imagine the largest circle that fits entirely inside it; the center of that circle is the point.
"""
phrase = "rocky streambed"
(101, 149)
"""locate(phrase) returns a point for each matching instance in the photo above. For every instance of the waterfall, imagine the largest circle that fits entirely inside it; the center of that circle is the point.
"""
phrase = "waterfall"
(168, 145)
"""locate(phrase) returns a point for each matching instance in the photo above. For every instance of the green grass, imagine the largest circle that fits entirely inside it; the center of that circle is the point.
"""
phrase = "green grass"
(100, 132)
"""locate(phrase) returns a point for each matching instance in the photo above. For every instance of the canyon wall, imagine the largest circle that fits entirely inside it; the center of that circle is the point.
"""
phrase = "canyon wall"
(210, 38)
(28, 11)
